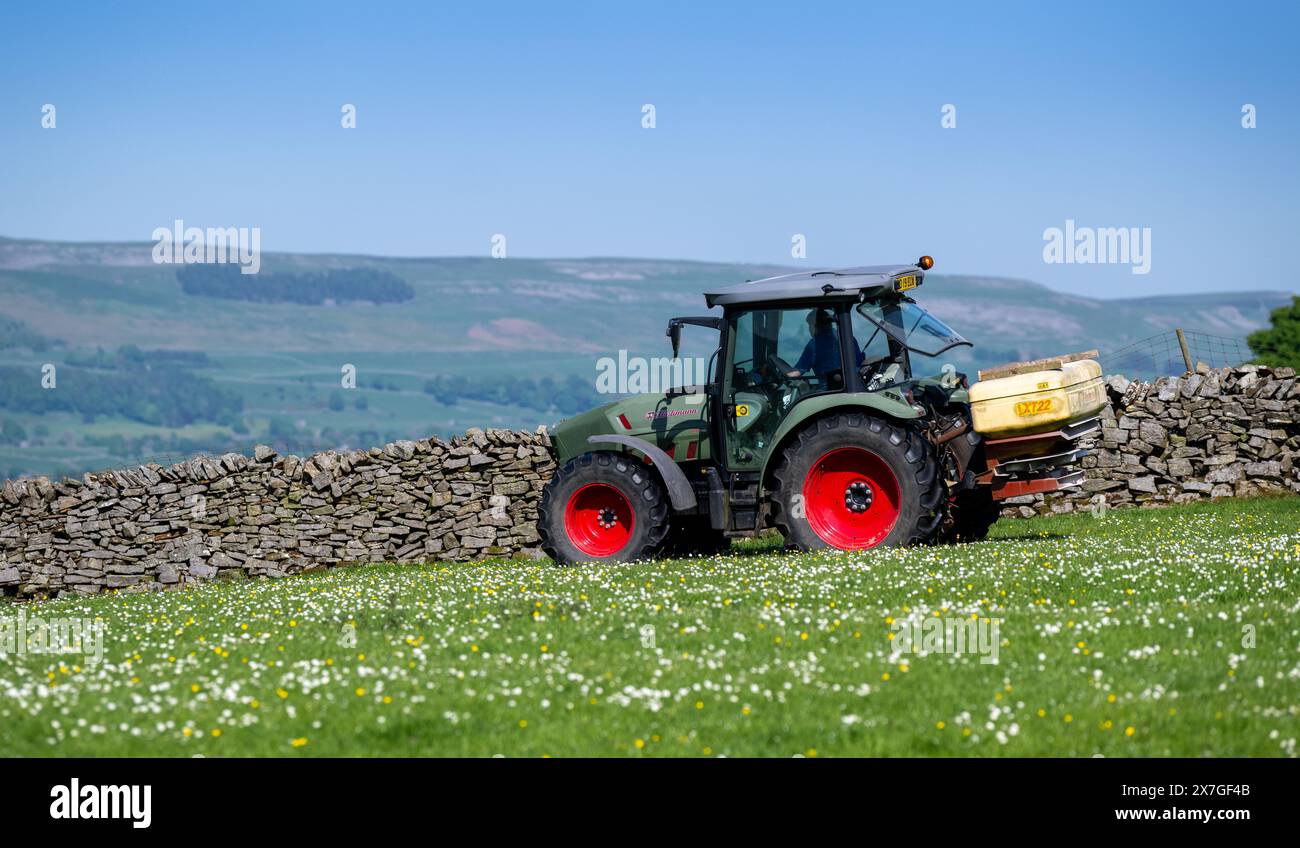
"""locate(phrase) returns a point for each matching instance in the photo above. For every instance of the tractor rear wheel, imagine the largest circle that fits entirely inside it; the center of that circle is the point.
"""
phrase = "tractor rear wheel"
(973, 512)
(602, 506)
(854, 481)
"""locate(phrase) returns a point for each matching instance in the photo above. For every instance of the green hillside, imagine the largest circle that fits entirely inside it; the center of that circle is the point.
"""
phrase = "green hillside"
(504, 325)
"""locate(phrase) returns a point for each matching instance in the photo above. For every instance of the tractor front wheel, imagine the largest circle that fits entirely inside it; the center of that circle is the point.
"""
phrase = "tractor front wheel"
(602, 506)
(854, 481)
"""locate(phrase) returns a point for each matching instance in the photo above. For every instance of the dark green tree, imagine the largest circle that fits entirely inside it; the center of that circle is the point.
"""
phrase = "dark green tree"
(12, 432)
(1279, 344)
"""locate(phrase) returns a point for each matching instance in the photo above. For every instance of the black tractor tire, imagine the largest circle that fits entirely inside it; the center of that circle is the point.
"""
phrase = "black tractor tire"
(973, 512)
(853, 481)
(693, 535)
(602, 506)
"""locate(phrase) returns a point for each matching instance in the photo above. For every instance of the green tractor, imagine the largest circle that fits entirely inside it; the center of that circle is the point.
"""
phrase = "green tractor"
(828, 415)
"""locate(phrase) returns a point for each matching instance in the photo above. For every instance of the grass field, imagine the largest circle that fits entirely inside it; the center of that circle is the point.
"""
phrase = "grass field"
(1140, 633)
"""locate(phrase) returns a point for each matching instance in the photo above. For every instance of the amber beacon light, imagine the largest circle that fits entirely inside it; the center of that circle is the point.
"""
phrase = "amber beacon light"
(925, 263)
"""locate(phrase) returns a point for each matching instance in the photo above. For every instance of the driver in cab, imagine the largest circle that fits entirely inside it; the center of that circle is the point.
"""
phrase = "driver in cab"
(822, 353)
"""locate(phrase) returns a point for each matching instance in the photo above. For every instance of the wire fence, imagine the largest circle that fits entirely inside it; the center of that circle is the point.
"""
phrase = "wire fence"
(1174, 352)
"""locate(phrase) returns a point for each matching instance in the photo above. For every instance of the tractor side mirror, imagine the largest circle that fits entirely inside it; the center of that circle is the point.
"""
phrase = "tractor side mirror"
(675, 333)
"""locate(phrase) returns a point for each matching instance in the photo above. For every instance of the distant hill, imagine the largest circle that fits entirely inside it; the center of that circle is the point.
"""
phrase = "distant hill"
(109, 294)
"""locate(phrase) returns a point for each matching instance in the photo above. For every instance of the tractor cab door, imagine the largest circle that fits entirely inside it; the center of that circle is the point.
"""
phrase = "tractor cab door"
(775, 358)
(884, 359)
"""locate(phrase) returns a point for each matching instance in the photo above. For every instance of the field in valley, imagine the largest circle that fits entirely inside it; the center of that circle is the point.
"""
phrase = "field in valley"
(1137, 633)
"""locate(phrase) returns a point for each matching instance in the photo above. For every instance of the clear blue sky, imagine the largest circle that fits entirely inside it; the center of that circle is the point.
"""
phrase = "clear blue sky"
(525, 119)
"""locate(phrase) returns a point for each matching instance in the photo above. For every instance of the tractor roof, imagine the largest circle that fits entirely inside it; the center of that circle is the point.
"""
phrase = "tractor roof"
(807, 285)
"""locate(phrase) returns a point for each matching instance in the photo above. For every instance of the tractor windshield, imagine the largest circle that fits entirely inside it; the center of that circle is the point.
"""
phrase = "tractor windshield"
(911, 326)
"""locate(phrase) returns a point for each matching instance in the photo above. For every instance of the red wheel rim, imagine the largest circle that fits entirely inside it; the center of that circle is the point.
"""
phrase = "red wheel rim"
(598, 519)
(851, 498)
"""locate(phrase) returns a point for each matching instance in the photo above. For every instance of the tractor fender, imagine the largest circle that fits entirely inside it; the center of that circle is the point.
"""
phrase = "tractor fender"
(880, 403)
(680, 491)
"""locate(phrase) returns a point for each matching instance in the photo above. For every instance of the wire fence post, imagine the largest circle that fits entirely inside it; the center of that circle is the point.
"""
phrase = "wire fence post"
(1182, 343)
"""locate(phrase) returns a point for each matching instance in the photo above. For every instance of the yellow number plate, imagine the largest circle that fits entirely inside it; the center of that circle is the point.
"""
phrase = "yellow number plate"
(1033, 407)
(902, 284)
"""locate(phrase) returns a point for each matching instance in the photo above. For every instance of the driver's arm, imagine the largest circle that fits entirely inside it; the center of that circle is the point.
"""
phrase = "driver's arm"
(805, 360)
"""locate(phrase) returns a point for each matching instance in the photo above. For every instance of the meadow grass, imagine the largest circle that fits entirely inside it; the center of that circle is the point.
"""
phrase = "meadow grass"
(1140, 633)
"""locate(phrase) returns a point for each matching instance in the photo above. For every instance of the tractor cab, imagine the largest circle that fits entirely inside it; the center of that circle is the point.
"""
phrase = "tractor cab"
(790, 340)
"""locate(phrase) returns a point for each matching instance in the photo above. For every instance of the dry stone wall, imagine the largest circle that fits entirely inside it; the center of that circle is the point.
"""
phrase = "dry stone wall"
(1230, 432)
(1226, 433)
(153, 527)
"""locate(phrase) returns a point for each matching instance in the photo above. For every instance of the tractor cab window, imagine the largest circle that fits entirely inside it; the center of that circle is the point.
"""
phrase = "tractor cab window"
(883, 360)
(778, 356)
(799, 348)
(911, 326)
(895, 333)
